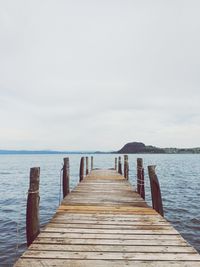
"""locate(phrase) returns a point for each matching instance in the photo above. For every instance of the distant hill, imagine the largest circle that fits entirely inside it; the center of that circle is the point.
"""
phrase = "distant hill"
(138, 147)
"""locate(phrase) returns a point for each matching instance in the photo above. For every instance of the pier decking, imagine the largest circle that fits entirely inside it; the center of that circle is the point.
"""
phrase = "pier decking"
(104, 222)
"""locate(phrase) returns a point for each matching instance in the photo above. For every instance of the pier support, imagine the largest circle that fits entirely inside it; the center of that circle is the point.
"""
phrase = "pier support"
(65, 177)
(119, 166)
(140, 178)
(32, 210)
(155, 190)
(115, 163)
(87, 166)
(126, 167)
(81, 173)
(92, 162)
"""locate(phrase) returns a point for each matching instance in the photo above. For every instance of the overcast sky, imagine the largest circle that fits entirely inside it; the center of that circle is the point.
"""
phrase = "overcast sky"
(97, 74)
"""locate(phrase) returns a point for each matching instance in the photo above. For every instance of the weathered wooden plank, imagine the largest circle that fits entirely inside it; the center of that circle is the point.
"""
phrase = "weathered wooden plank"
(113, 185)
(100, 181)
(109, 200)
(104, 224)
(111, 217)
(106, 203)
(101, 211)
(113, 248)
(124, 220)
(94, 195)
(110, 236)
(101, 263)
(63, 224)
(89, 208)
(116, 190)
(111, 194)
(121, 221)
(111, 255)
(103, 196)
(159, 230)
(100, 241)
(104, 192)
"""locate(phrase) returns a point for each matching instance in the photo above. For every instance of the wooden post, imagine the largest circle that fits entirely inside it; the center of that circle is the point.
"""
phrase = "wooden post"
(155, 190)
(32, 210)
(87, 166)
(126, 167)
(81, 173)
(92, 161)
(119, 165)
(115, 163)
(65, 177)
(140, 178)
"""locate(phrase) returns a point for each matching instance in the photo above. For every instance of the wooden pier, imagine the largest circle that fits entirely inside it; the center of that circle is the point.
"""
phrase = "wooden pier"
(105, 222)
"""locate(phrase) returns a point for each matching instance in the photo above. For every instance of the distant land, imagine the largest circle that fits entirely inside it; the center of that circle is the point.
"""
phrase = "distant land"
(47, 152)
(129, 148)
(138, 147)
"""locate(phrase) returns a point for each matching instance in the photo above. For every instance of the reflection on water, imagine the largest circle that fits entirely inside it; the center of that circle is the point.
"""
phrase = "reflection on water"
(179, 177)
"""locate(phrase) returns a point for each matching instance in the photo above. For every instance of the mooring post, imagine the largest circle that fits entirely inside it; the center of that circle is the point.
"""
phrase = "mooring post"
(140, 178)
(92, 161)
(87, 166)
(126, 167)
(115, 163)
(119, 165)
(155, 190)
(65, 177)
(32, 209)
(81, 173)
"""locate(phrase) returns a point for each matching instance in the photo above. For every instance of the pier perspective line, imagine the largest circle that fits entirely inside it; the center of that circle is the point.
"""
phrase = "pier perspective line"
(104, 221)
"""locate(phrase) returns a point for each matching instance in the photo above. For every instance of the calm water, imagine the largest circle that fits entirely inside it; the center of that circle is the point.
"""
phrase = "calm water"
(179, 177)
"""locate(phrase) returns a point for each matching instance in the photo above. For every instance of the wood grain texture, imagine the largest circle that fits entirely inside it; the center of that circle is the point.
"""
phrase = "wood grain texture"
(105, 222)
(101, 263)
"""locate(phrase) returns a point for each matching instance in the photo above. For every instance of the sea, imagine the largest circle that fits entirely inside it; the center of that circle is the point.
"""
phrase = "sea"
(178, 174)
